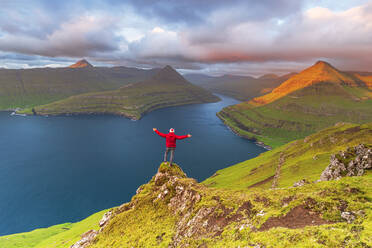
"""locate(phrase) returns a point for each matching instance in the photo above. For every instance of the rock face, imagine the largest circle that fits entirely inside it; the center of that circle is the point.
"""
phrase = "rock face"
(86, 239)
(352, 162)
(184, 195)
(105, 219)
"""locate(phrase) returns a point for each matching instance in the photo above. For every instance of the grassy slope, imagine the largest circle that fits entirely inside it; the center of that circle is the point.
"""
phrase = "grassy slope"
(58, 236)
(300, 113)
(305, 158)
(30, 87)
(167, 88)
(141, 226)
(150, 218)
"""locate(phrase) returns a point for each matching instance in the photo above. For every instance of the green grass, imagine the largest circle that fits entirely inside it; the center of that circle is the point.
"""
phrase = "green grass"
(150, 218)
(58, 236)
(299, 114)
(141, 222)
(305, 158)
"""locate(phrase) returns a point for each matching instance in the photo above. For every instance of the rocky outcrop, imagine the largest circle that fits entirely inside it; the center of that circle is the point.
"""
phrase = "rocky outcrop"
(352, 162)
(86, 239)
(196, 221)
(184, 194)
(105, 219)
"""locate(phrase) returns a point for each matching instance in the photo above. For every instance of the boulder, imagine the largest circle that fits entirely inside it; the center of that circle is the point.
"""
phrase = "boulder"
(352, 162)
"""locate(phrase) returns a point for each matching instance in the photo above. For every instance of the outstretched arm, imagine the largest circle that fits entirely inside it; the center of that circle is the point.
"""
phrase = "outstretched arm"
(183, 136)
(159, 133)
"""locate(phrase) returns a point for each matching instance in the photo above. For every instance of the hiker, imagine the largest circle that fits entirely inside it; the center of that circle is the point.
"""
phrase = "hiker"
(170, 143)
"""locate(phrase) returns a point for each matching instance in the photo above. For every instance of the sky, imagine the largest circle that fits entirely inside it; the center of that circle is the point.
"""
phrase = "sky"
(215, 37)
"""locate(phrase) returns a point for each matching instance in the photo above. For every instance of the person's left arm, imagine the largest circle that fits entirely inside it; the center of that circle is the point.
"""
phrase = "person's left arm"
(183, 136)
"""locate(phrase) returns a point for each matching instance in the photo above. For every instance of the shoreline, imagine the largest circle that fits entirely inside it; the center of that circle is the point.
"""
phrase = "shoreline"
(121, 114)
(257, 142)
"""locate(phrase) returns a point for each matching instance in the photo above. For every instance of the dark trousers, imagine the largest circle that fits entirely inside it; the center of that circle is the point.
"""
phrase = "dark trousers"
(171, 151)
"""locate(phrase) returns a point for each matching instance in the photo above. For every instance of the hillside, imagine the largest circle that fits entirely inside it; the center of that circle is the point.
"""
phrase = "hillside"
(314, 99)
(231, 209)
(166, 88)
(20, 88)
(301, 159)
(320, 72)
(240, 87)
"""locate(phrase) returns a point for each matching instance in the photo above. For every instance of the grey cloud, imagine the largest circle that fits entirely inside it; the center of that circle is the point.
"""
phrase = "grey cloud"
(197, 11)
(237, 36)
(84, 36)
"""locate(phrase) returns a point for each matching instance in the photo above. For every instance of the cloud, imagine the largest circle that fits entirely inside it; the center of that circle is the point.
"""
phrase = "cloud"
(238, 35)
(196, 11)
(84, 36)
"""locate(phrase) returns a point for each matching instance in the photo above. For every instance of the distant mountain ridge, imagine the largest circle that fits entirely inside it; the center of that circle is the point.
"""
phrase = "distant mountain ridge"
(240, 87)
(165, 88)
(22, 88)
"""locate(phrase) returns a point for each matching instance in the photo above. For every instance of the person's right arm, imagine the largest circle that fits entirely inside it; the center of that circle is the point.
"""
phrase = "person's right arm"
(159, 133)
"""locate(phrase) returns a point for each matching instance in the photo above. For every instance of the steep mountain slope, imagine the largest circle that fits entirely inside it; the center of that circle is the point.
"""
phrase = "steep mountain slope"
(165, 88)
(21, 88)
(320, 72)
(314, 99)
(240, 87)
(231, 209)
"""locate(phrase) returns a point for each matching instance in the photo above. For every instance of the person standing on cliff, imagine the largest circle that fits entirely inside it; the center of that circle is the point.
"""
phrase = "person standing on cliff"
(170, 143)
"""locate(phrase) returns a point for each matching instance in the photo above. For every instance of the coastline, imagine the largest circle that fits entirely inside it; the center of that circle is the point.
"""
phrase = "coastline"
(257, 142)
(132, 117)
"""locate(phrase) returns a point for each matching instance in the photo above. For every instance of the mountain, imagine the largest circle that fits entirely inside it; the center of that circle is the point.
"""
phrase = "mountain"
(318, 97)
(240, 87)
(238, 206)
(21, 88)
(81, 64)
(318, 73)
(165, 88)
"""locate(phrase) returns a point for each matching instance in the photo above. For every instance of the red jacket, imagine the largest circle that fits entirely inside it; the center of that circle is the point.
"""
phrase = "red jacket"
(170, 138)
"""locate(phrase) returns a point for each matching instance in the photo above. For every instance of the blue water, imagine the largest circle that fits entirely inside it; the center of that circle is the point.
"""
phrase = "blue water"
(62, 169)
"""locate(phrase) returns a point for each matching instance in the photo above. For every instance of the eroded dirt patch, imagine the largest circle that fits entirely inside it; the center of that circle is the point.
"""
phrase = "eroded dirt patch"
(261, 182)
(298, 217)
